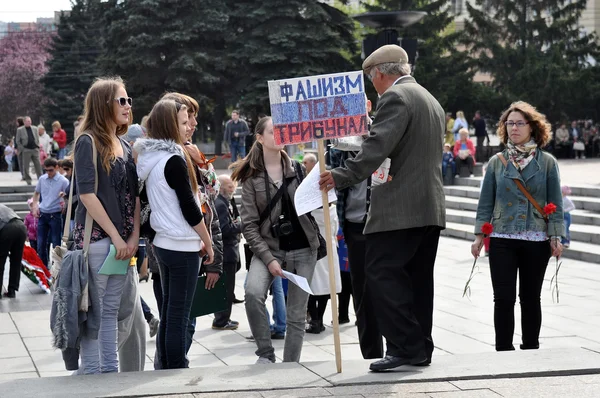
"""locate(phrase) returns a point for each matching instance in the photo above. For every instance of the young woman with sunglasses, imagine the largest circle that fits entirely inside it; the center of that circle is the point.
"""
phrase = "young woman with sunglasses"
(181, 234)
(115, 209)
(282, 240)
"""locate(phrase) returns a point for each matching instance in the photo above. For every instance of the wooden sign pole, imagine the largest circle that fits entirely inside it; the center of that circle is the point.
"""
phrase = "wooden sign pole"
(332, 286)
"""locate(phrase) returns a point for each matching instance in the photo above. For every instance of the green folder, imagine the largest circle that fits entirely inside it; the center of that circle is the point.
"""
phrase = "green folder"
(112, 266)
(209, 301)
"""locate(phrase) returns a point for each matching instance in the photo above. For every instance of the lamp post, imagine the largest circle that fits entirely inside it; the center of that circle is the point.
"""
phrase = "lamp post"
(390, 22)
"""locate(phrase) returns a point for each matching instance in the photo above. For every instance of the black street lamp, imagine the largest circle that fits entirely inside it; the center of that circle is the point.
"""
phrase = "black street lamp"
(390, 19)
(390, 22)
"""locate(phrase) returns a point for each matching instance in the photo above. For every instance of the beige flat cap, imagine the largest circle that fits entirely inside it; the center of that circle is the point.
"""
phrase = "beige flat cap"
(385, 54)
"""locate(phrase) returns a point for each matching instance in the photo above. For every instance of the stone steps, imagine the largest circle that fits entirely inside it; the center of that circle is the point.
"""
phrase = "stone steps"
(461, 207)
(17, 206)
(17, 189)
(579, 232)
(578, 250)
(15, 197)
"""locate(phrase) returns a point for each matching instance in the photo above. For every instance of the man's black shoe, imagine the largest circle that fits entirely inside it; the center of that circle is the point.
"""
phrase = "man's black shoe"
(426, 362)
(277, 336)
(390, 362)
(529, 347)
(237, 301)
(10, 294)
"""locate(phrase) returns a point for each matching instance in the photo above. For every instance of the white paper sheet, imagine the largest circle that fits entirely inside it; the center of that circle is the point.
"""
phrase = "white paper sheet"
(308, 196)
(299, 281)
(380, 176)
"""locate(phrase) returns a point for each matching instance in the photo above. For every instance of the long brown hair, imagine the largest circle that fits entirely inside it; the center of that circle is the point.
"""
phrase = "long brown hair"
(540, 128)
(99, 115)
(253, 163)
(163, 125)
(184, 99)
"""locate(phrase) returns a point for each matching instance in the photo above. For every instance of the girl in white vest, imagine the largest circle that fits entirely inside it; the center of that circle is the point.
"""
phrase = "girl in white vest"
(177, 219)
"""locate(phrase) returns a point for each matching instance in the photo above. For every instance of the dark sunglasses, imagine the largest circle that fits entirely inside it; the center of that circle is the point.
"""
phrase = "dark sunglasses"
(49, 170)
(124, 101)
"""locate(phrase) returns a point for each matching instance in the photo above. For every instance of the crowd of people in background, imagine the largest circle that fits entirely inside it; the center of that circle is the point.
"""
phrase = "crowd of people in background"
(146, 195)
(31, 146)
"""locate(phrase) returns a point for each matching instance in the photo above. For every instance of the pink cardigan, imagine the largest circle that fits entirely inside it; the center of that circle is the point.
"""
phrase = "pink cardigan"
(470, 147)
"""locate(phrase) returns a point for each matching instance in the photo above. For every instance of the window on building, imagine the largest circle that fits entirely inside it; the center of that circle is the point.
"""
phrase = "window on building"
(457, 7)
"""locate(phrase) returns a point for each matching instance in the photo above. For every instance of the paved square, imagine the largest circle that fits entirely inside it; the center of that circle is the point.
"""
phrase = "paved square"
(461, 325)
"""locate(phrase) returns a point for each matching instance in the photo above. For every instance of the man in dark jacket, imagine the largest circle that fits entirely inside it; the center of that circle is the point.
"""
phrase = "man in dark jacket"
(407, 212)
(12, 239)
(231, 228)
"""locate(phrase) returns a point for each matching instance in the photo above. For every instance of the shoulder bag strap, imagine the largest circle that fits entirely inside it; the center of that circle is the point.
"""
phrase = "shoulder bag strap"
(87, 234)
(65, 237)
(272, 202)
(524, 190)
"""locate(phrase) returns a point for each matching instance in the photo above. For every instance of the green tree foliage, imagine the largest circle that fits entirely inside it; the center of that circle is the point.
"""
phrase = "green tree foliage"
(440, 67)
(72, 66)
(171, 45)
(285, 38)
(535, 50)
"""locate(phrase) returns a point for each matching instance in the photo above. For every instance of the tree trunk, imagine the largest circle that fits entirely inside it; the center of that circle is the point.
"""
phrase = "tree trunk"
(218, 113)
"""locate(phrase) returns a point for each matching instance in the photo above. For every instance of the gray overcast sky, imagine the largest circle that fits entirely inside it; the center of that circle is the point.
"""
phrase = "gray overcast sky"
(29, 10)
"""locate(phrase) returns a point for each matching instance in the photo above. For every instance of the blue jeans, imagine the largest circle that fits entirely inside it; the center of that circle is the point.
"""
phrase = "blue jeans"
(61, 153)
(49, 231)
(445, 167)
(100, 355)
(567, 217)
(10, 165)
(178, 275)
(146, 310)
(279, 315)
(237, 148)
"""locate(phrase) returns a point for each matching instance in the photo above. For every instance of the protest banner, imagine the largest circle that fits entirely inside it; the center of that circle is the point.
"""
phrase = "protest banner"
(317, 108)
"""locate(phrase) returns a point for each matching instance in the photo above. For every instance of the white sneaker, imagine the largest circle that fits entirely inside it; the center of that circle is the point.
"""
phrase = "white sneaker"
(153, 326)
(264, 361)
(472, 176)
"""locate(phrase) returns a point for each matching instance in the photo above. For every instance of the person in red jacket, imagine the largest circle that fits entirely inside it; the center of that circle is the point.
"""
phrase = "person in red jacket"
(464, 151)
(60, 136)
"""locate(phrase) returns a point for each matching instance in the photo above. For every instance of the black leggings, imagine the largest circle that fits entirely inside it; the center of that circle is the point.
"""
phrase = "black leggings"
(468, 161)
(317, 306)
(344, 296)
(529, 259)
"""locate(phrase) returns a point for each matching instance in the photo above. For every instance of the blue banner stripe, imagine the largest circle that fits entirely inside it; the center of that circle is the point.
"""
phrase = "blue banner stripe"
(319, 109)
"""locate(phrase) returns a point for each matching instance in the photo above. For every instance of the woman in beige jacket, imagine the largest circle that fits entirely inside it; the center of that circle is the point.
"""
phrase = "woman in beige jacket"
(278, 237)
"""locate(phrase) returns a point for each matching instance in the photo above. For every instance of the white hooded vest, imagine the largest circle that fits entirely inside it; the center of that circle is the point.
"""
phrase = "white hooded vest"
(172, 230)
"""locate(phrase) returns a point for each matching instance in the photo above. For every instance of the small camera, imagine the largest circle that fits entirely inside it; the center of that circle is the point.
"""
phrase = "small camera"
(282, 227)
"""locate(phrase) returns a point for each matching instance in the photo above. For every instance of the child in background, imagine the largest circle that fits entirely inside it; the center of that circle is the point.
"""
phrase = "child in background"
(60, 169)
(43, 156)
(568, 206)
(31, 223)
(448, 160)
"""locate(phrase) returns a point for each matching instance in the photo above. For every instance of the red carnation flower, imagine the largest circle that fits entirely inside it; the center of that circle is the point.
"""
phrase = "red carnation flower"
(550, 208)
(487, 229)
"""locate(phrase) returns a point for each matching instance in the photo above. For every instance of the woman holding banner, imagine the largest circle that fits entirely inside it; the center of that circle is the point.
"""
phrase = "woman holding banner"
(278, 237)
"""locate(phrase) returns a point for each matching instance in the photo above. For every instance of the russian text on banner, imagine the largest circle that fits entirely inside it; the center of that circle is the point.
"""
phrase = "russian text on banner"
(318, 107)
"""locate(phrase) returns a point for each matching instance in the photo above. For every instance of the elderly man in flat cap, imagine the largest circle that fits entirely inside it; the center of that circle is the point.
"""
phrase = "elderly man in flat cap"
(407, 213)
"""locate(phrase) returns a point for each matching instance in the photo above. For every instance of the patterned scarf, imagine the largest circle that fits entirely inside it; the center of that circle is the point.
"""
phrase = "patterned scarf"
(521, 155)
